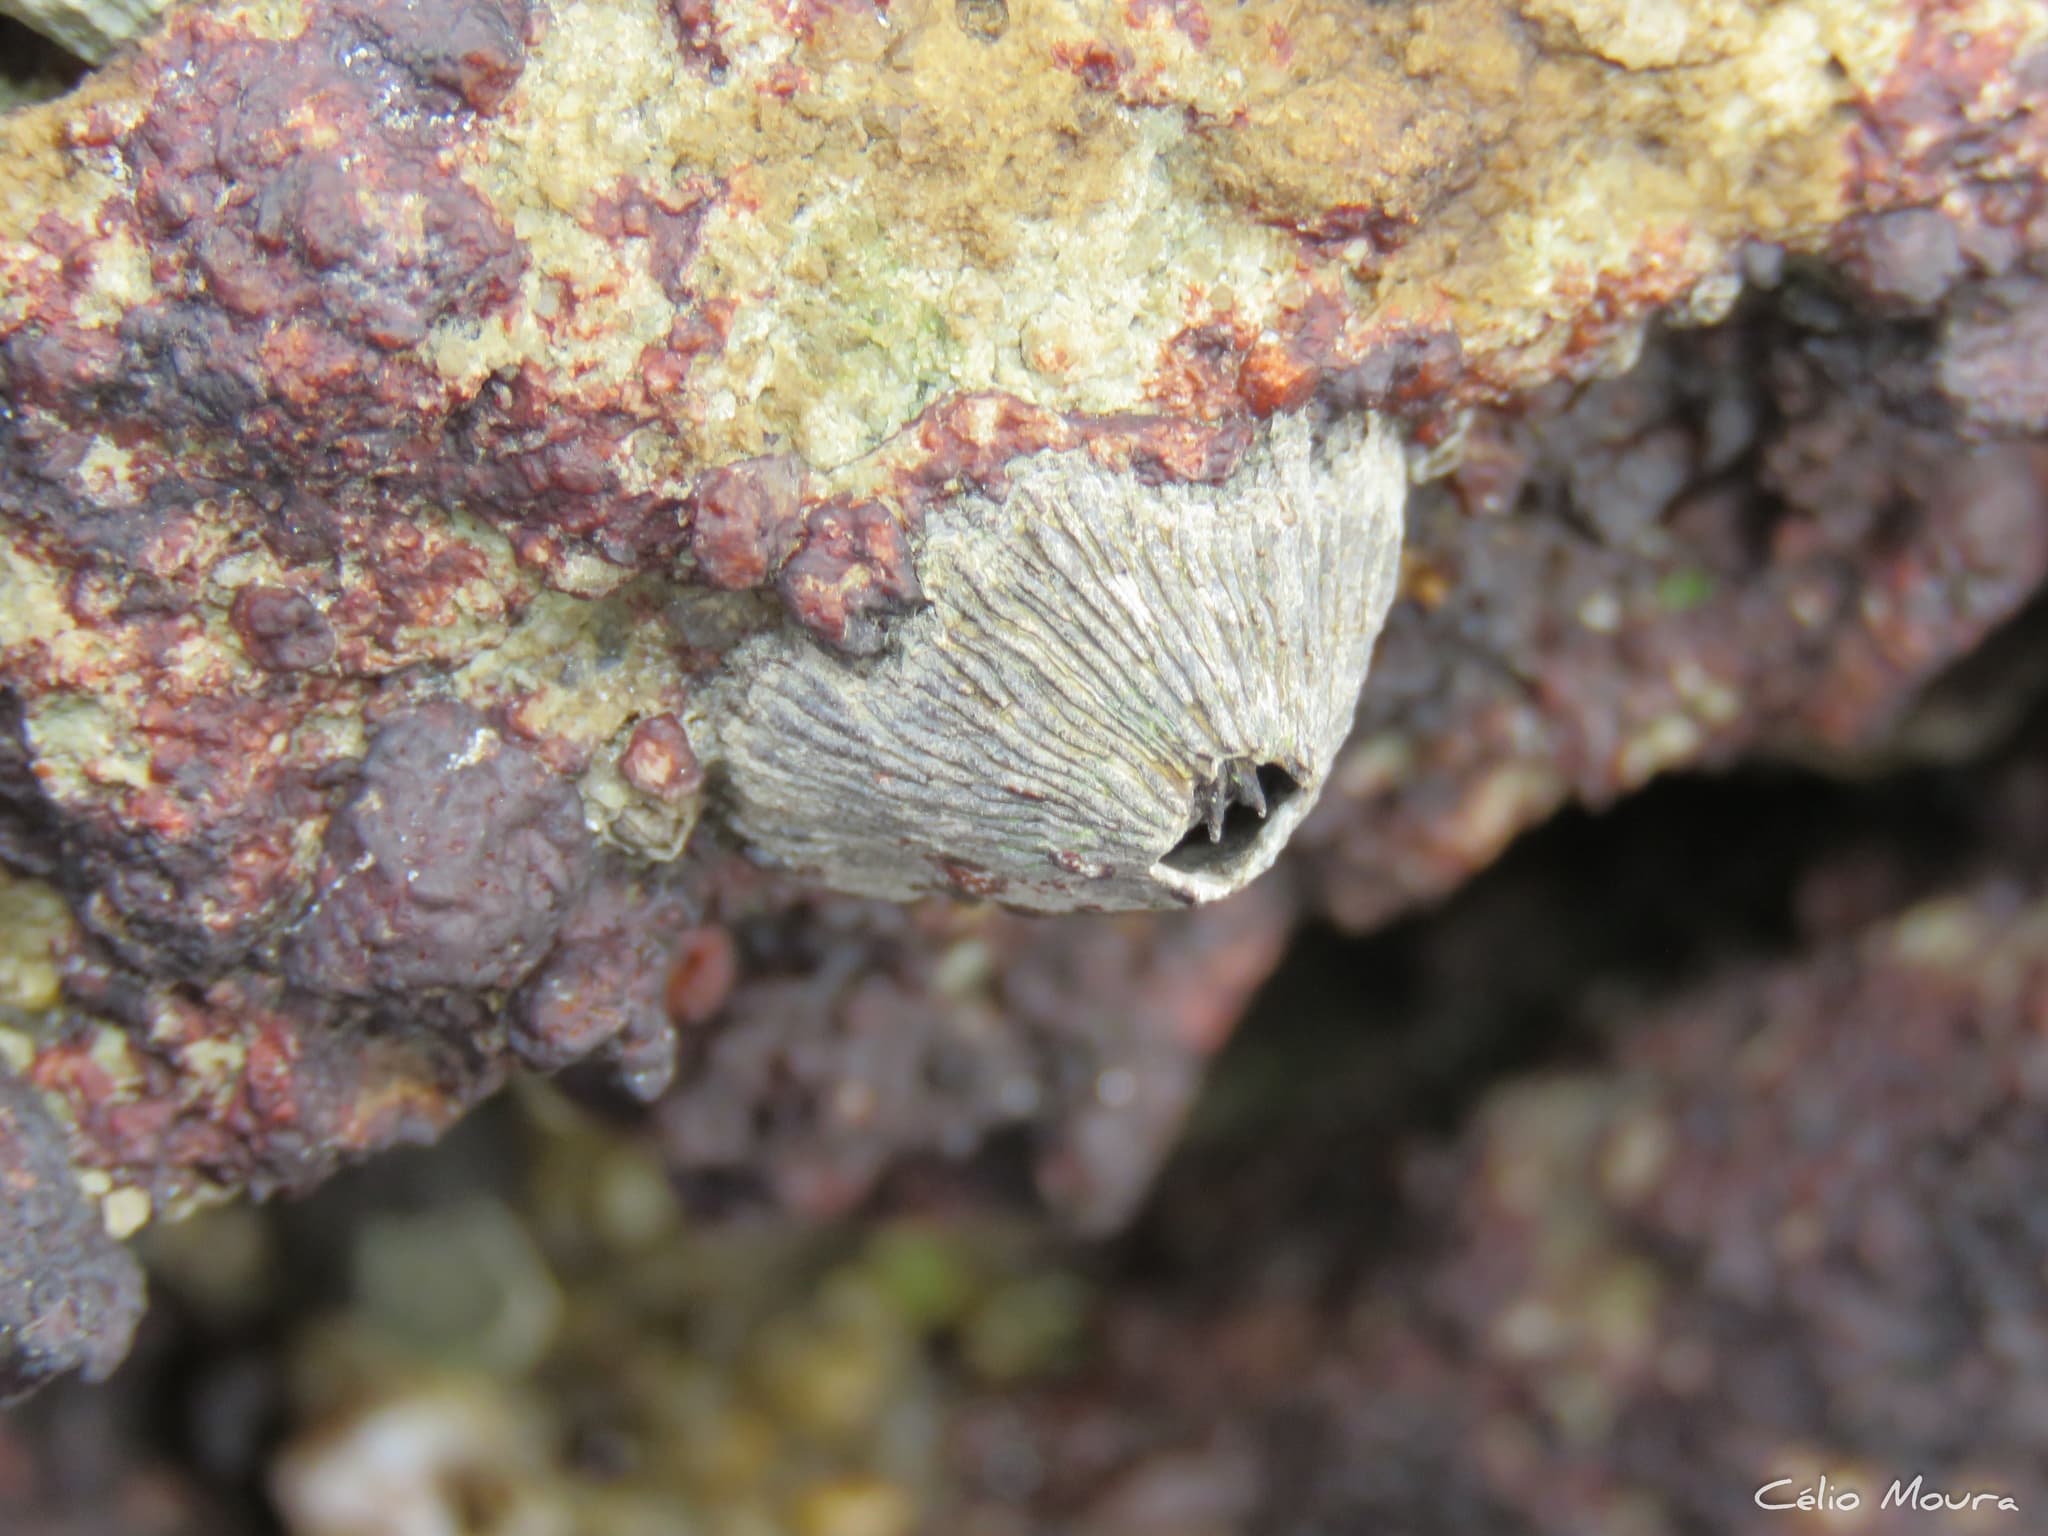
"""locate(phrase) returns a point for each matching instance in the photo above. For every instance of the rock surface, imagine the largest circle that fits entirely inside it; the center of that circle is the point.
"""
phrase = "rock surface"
(397, 436)
(75, 1305)
(1593, 1196)
(1774, 1221)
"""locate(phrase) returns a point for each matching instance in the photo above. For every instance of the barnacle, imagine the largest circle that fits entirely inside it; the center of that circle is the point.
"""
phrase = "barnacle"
(1116, 695)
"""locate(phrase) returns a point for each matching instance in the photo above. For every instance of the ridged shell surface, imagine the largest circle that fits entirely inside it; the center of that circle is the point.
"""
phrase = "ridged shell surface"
(1116, 695)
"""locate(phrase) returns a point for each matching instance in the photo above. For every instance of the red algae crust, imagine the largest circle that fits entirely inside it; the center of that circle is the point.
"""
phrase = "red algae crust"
(404, 409)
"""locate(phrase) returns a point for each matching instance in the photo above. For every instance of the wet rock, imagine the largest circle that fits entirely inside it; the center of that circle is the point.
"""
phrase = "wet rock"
(395, 448)
(453, 864)
(282, 631)
(70, 1295)
(1992, 357)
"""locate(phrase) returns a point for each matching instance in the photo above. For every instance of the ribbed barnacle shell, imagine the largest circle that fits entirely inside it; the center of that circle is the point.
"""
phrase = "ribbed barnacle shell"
(1116, 695)
(91, 29)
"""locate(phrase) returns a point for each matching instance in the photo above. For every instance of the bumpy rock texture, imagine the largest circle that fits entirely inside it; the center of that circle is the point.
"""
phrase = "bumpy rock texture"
(1593, 1198)
(397, 436)
(1775, 1222)
(77, 1304)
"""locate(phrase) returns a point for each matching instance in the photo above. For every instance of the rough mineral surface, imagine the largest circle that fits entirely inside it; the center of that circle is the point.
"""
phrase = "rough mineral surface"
(1783, 1228)
(1696, 1185)
(405, 409)
(1756, 540)
(76, 1306)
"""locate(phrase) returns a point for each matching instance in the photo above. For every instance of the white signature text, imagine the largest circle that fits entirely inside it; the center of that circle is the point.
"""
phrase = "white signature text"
(1789, 1493)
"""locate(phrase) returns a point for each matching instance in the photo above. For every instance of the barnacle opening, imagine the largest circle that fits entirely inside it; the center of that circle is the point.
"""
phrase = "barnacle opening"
(1234, 812)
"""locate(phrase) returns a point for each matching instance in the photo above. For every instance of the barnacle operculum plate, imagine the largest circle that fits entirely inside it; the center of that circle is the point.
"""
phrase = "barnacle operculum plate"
(1116, 694)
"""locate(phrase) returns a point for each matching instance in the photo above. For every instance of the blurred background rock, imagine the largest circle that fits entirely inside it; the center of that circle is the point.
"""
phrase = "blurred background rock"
(1688, 1147)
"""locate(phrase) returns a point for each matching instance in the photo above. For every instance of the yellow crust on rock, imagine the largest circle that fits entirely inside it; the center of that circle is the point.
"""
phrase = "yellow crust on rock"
(898, 208)
(929, 212)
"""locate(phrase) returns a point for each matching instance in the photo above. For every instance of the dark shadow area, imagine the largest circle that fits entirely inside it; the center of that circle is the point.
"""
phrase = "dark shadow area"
(1361, 1045)
(26, 56)
(1231, 816)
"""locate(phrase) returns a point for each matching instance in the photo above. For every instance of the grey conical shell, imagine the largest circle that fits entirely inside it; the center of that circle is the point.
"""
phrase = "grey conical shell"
(1099, 664)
